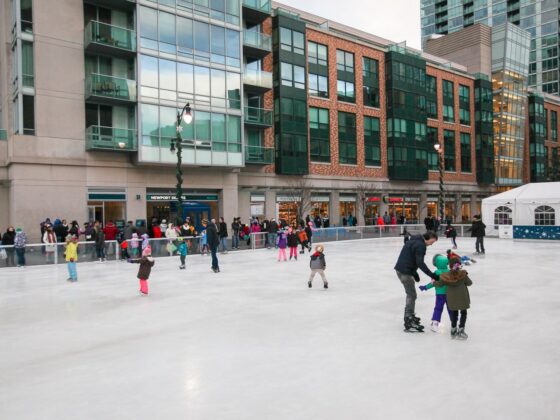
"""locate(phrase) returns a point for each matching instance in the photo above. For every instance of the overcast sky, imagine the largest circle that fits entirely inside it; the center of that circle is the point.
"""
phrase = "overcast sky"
(396, 20)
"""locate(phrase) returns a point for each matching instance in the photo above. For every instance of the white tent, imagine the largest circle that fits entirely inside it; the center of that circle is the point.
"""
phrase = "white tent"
(518, 206)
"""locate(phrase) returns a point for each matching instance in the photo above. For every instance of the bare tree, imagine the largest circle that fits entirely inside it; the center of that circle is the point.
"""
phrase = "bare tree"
(299, 192)
(363, 189)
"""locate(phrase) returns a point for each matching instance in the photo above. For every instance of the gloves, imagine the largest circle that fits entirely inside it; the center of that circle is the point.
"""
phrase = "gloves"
(436, 277)
(423, 288)
(416, 277)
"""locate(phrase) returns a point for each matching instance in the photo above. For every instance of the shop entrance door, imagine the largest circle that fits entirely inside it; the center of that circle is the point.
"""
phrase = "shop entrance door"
(95, 213)
(197, 212)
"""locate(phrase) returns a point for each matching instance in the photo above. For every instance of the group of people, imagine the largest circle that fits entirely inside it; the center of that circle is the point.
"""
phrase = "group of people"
(15, 240)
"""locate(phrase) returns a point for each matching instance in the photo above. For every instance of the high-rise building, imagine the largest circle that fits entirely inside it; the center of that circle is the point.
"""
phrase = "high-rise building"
(538, 17)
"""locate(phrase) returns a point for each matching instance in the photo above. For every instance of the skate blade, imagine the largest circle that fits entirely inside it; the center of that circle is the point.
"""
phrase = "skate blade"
(413, 331)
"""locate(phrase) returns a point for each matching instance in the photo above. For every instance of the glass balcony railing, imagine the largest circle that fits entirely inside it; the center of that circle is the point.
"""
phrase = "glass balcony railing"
(258, 116)
(260, 5)
(109, 35)
(259, 154)
(3, 134)
(259, 78)
(118, 88)
(111, 138)
(257, 40)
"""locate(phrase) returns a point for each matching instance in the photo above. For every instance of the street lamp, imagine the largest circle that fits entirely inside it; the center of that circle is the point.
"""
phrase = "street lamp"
(177, 144)
(439, 151)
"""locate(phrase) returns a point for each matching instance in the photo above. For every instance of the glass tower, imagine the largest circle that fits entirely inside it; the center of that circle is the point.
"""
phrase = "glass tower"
(538, 17)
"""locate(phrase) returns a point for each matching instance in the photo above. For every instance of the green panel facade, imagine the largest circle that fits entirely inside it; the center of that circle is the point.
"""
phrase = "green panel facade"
(406, 116)
(290, 93)
(484, 131)
(537, 136)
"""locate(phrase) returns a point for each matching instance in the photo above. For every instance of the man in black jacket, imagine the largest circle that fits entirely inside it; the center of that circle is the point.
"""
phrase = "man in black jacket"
(410, 260)
(478, 231)
(272, 233)
(213, 242)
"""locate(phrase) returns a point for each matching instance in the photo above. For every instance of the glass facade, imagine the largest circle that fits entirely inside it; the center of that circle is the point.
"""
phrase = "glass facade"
(537, 137)
(347, 148)
(319, 135)
(372, 138)
(484, 130)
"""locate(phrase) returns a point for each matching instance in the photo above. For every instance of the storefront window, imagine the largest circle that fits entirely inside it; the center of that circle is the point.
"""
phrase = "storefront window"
(410, 211)
(347, 208)
(287, 211)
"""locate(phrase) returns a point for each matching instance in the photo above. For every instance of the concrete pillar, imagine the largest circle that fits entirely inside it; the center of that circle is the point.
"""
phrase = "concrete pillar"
(474, 208)
(360, 212)
(270, 204)
(423, 205)
(244, 205)
(383, 207)
(228, 197)
(458, 207)
(136, 207)
(334, 210)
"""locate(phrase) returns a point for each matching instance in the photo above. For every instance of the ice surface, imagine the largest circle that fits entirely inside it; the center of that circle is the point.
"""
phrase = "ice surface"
(253, 342)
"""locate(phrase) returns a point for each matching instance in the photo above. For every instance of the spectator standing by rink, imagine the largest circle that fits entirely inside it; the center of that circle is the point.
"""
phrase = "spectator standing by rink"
(213, 242)
(478, 231)
(100, 243)
(8, 240)
(223, 234)
(20, 242)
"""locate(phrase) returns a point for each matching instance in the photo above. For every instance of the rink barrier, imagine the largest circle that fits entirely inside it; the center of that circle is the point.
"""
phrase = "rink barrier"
(53, 254)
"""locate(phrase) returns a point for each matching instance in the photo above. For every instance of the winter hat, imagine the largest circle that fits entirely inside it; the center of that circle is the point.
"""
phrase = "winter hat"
(319, 248)
(147, 251)
(145, 236)
(19, 230)
(455, 263)
(164, 221)
(135, 235)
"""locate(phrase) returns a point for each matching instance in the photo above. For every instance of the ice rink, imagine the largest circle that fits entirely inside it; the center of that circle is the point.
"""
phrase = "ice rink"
(253, 342)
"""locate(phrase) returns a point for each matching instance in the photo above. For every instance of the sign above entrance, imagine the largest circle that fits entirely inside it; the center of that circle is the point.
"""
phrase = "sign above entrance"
(171, 197)
(387, 199)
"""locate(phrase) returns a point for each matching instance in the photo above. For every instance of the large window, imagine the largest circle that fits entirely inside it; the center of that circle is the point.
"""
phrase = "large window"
(431, 98)
(419, 131)
(466, 165)
(433, 156)
(29, 115)
(293, 112)
(448, 113)
(28, 78)
(317, 54)
(502, 216)
(319, 135)
(223, 10)
(346, 91)
(371, 82)
(553, 125)
(545, 216)
(347, 138)
(318, 85)
(449, 150)
(292, 41)
(396, 128)
(372, 146)
(447, 89)
(292, 75)
(345, 61)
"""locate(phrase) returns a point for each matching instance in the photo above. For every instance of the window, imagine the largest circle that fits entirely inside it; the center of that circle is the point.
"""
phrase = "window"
(29, 115)
(545, 216)
(419, 131)
(347, 138)
(449, 150)
(26, 13)
(371, 82)
(27, 64)
(294, 114)
(319, 135)
(292, 41)
(372, 146)
(502, 216)
(318, 85)
(466, 152)
(464, 105)
(553, 125)
(447, 88)
(292, 75)
(448, 113)
(317, 54)
(433, 156)
(345, 61)
(431, 99)
(346, 91)
(396, 128)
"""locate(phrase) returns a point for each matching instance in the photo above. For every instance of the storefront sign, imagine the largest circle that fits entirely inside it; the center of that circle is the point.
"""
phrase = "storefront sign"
(257, 198)
(347, 198)
(320, 198)
(171, 197)
(287, 198)
(106, 197)
(373, 199)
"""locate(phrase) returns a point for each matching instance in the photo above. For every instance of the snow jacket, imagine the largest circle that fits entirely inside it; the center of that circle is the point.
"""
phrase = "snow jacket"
(282, 240)
(457, 294)
(441, 262)
(451, 232)
(146, 264)
(411, 257)
(21, 240)
(318, 261)
(223, 230)
(110, 232)
(478, 229)
(212, 235)
(9, 237)
(71, 252)
(292, 240)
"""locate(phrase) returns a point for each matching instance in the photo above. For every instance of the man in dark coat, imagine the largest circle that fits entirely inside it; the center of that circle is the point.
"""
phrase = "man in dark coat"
(410, 260)
(213, 242)
(478, 231)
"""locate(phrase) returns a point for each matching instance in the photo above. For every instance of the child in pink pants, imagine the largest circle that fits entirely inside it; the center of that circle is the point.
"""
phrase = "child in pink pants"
(282, 243)
(292, 242)
(146, 264)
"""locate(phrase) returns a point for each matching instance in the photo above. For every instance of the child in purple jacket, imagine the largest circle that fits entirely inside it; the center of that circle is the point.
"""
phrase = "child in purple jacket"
(282, 243)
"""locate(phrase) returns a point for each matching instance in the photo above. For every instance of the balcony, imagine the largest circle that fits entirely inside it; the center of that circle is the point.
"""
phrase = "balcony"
(256, 44)
(115, 4)
(259, 155)
(3, 134)
(257, 81)
(111, 139)
(256, 10)
(258, 117)
(102, 38)
(110, 89)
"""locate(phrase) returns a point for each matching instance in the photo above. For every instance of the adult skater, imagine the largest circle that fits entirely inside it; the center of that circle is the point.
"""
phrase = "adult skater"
(478, 231)
(410, 260)
(213, 242)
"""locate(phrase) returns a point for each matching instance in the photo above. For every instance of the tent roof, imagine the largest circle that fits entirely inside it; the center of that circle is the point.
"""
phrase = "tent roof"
(533, 191)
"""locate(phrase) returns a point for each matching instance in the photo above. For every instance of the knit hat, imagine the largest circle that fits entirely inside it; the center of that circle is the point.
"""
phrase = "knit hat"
(319, 248)
(147, 251)
(19, 230)
(455, 263)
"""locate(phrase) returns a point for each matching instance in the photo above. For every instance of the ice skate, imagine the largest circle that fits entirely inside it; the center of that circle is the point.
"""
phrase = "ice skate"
(453, 333)
(435, 326)
(326, 286)
(309, 284)
(461, 334)
(412, 325)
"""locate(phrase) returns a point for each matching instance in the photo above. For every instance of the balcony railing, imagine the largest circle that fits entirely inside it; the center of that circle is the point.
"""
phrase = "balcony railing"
(257, 40)
(260, 5)
(259, 155)
(111, 138)
(110, 36)
(3, 134)
(258, 78)
(258, 116)
(103, 86)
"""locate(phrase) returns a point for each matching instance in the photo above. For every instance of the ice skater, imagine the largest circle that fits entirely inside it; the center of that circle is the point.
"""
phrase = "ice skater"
(451, 233)
(441, 262)
(134, 246)
(457, 295)
(183, 251)
(71, 254)
(465, 259)
(318, 265)
(478, 231)
(292, 243)
(282, 244)
(146, 264)
(303, 240)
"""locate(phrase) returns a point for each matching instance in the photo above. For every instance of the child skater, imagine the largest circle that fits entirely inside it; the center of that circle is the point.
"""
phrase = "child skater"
(72, 257)
(303, 239)
(183, 251)
(292, 243)
(451, 233)
(124, 250)
(318, 265)
(204, 249)
(282, 243)
(440, 261)
(457, 296)
(134, 246)
(146, 264)
(465, 259)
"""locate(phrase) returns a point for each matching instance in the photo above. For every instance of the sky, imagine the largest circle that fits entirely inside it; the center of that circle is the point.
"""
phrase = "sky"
(396, 20)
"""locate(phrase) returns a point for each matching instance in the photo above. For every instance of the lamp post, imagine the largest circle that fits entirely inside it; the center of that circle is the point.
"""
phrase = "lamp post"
(439, 151)
(177, 144)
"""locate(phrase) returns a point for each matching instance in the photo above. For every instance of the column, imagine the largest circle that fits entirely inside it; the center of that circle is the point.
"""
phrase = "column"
(228, 204)
(244, 205)
(474, 209)
(136, 204)
(334, 211)
(458, 207)
(270, 204)
(423, 213)
(359, 212)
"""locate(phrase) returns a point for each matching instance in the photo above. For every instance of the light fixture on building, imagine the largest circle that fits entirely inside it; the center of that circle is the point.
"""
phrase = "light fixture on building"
(187, 114)
(122, 144)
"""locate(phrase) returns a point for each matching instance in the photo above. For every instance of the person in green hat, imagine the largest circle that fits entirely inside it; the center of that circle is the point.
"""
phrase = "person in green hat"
(441, 262)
